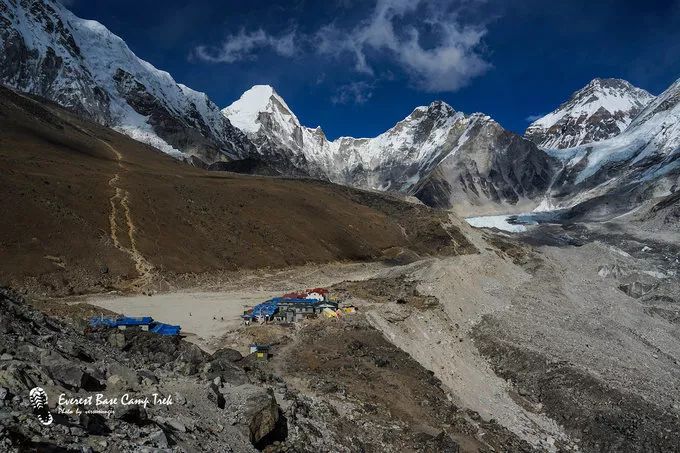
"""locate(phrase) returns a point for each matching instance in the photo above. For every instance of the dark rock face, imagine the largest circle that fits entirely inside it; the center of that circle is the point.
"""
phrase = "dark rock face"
(248, 166)
(494, 167)
(667, 211)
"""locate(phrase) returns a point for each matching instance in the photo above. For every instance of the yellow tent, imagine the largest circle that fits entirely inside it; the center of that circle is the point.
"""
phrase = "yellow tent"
(328, 313)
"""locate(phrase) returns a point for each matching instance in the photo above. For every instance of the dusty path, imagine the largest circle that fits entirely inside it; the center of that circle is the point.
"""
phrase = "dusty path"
(120, 213)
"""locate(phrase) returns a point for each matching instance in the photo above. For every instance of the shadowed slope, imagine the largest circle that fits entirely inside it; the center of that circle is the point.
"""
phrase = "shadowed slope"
(86, 208)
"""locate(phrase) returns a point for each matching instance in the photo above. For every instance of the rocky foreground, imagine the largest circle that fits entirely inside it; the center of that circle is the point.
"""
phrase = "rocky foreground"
(332, 387)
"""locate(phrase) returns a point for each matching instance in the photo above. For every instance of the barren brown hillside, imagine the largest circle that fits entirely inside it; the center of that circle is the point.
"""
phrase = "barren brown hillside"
(88, 209)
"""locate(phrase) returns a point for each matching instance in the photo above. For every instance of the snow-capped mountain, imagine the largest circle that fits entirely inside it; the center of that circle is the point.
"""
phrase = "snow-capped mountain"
(434, 137)
(489, 170)
(47, 51)
(641, 163)
(287, 147)
(600, 110)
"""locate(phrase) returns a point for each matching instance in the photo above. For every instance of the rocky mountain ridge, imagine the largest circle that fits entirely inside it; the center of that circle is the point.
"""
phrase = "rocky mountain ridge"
(432, 139)
(596, 112)
(620, 173)
(446, 158)
(45, 50)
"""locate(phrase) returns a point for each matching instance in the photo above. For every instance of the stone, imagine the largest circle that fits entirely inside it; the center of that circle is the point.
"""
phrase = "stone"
(16, 380)
(176, 425)
(136, 415)
(148, 377)
(117, 340)
(159, 439)
(94, 424)
(121, 376)
(231, 355)
(180, 399)
(254, 408)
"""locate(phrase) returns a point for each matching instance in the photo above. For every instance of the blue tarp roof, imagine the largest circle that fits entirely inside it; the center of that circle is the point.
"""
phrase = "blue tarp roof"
(155, 327)
(269, 307)
(165, 329)
(134, 321)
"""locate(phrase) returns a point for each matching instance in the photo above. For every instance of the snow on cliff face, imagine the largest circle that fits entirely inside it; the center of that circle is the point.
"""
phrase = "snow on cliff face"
(432, 139)
(600, 110)
(646, 154)
(393, 160)
(48, 51)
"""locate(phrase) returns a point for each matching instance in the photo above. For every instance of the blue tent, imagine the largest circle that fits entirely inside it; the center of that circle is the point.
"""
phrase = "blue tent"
(165, 329)
(128, 321)
(134, 321)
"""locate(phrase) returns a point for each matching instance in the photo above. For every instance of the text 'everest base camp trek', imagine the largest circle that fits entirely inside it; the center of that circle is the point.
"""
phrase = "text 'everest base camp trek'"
(469, 289)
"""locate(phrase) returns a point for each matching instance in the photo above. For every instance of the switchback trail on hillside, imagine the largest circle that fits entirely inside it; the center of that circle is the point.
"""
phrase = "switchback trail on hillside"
(120, 212)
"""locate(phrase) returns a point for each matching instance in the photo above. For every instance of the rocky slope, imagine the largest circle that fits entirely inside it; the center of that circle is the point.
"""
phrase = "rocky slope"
(208, 399)
(598, 111)
(328, 387)
(616, 175)
(79, 64)
(444, 157)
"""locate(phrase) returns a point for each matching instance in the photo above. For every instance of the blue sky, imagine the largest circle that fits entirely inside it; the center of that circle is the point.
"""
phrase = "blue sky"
(355, 67)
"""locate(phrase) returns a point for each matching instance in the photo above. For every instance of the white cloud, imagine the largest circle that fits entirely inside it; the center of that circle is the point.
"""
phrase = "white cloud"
(449, 61)
(426, 39)
(355, 92)
(244, 45)
(532, 118)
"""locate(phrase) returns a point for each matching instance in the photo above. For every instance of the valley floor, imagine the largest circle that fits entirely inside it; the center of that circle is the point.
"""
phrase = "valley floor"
(567, 338)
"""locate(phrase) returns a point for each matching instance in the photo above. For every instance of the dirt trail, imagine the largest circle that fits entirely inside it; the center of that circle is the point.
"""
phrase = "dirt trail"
(120, 206)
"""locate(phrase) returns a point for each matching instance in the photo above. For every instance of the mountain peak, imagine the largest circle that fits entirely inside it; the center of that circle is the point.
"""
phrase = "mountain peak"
(598, 111)
(441, 107)
(244, 112)
(436, 108)
(609, 82)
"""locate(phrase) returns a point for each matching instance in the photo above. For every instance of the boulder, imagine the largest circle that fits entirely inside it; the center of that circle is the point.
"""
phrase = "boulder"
(190, 359)
(122, 377)
(223, 368)
(226, 354)
(158, 438)
(69, 374)
(254, 409)
(94, 424)
(136, 415)
(15, 380)
(117, 340)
